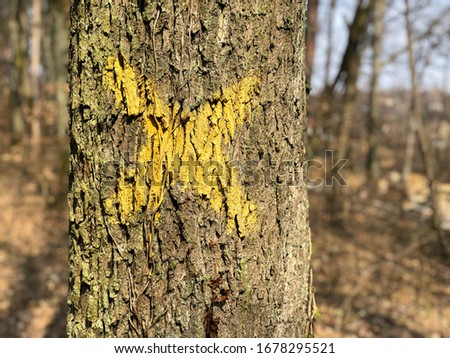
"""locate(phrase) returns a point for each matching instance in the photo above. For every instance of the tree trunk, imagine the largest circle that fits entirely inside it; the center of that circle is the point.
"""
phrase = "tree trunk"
(324, 107)
(57, 65)
(417, 127)
(311, 32)
(35, 67)
(19, 77)
(373, 162)
(348, 74)
(329, 50)
(188, 210)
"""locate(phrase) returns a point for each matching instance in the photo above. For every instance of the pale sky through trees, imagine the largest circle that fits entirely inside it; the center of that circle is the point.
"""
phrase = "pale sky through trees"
(433, 50)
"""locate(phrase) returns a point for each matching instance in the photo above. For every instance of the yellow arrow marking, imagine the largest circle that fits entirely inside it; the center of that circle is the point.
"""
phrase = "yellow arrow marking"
(196, 135)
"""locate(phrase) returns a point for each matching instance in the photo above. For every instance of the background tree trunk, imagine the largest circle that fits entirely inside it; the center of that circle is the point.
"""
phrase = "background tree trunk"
(163, 96)
(349, 74)
(35, 68)
(326, 96)
(57, 40)
(20, 90)
(311, 32)
(373, 163)
(417, 127)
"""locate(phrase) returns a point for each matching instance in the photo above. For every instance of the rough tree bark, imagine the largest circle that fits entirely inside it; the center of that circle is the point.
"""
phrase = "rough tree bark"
(188, 212)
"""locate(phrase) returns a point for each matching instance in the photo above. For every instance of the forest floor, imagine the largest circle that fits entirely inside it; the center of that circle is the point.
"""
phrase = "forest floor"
(33, 243)
(378, 276)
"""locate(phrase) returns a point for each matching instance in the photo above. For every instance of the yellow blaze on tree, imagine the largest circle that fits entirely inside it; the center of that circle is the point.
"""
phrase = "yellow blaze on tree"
(188, 212)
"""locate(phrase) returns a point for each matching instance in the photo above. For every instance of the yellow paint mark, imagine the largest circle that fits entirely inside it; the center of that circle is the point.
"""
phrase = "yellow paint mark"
(173, 139)
(125, 85)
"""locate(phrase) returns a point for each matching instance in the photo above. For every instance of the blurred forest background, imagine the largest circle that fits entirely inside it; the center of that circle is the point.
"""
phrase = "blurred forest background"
(380, 73)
